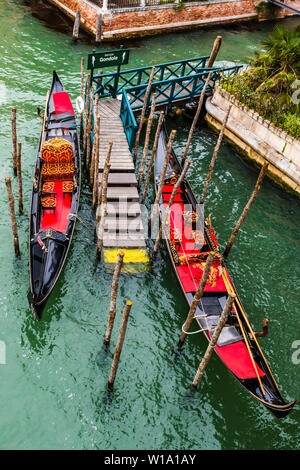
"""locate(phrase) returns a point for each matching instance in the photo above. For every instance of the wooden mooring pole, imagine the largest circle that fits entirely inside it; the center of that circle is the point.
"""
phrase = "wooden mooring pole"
(214, 156)
(199, 292)
(19, 174)
(103, 209)
(138, 133)
(215, 51)
(167, 211)
(163, 174)
(76, 26)
(96, 164)
(147, 138)
(14, 226)
(118, 350)
(196, 117)
(213, 341)
(14, 138)
(99, 24)
(113, 297)
(86, 112)
(148, 176)
(104, 182)
(89, 130)
(82, 96)
(247, 208)
(95, 152)
(105, 169)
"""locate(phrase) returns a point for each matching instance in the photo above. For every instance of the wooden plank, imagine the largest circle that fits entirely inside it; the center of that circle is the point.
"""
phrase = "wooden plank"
(130, 224)
(120, 179)
(122, 192)
(119, 209)
(123, 241)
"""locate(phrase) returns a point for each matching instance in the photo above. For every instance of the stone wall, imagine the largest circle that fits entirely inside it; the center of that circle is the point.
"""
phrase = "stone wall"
(257, 138)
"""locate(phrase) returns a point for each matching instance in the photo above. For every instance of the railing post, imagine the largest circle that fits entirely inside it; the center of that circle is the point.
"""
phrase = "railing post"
(143, 3)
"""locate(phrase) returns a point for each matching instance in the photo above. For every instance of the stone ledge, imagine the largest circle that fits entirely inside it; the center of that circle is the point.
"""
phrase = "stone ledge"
(184, 24)
(282, 168)
(256, 116)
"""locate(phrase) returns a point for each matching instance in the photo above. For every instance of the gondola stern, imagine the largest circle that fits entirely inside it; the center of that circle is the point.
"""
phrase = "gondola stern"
(281, 411)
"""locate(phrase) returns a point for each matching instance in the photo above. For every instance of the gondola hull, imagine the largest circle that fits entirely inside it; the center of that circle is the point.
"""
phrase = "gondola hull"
(187, 257)
(57, 185)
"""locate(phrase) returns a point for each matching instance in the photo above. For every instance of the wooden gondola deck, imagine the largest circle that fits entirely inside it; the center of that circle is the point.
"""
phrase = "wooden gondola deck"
(123, 226)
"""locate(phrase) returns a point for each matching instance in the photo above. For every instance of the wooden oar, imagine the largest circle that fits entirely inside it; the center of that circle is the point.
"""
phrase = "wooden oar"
(229, 289)
(253, 334)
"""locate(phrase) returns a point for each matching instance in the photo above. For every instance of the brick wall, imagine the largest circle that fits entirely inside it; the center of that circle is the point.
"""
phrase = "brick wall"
(155, 20)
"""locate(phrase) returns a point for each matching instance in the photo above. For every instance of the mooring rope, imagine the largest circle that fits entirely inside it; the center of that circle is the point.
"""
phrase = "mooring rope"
(82, 221)
(198, 331)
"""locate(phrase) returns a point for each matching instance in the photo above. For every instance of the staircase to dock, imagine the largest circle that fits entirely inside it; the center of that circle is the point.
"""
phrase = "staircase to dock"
(123, 227)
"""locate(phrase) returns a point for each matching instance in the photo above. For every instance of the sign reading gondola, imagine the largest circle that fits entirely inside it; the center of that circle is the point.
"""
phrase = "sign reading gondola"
(108, 58)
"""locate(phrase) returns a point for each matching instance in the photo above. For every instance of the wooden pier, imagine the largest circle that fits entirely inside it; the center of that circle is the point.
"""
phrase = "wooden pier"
(123, 227)
(121, 95)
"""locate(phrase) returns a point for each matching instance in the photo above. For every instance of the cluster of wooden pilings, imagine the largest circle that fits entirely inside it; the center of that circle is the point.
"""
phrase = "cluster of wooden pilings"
(90, 146)
(99, 198)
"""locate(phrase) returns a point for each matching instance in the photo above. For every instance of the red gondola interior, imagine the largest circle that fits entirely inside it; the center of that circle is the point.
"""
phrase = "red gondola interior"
(188, 243)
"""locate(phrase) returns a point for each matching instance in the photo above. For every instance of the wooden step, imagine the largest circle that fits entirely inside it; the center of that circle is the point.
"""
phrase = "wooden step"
(119, 209)
(118, 168)
(120, 179)
(131, 224)
(128, 193)
(123, 240)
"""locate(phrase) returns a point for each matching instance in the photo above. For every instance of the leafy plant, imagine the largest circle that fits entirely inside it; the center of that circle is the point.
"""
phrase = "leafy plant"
(267, 86)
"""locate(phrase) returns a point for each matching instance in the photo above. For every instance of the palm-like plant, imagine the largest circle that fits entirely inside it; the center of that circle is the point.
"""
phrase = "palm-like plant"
(283, 48)
(267, 86)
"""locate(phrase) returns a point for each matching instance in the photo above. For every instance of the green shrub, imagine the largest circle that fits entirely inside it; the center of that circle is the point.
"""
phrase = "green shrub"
(267, 86)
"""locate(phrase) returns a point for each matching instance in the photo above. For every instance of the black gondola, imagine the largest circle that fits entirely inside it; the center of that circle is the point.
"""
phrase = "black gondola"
(189, 238)
(55, 196)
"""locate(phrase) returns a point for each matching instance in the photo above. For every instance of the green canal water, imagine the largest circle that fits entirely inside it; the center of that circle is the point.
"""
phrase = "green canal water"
(53, 385)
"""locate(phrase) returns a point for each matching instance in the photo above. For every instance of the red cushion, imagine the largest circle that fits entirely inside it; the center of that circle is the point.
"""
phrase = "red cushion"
(190, 277)
(168, 188)
(167, 197)
(62, 103)
(237, 359)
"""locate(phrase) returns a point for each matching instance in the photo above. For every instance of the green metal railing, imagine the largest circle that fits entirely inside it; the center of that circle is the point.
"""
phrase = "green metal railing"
(175, 89)
(181, 80)
(168, 92)
(113, 83)
(128, 120)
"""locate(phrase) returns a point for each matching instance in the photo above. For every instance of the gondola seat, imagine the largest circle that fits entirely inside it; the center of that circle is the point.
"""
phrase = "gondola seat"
(58, 160)
(48, 203)
(49, 186)
(57, 150)
(67, 187)
(58, 171)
